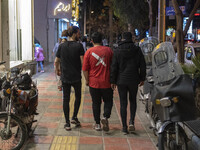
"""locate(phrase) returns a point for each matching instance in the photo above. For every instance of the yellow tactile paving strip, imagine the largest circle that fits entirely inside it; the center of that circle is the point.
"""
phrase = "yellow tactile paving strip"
(65, 143)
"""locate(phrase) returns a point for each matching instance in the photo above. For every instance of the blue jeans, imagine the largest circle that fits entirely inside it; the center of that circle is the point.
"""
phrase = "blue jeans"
(41, 65)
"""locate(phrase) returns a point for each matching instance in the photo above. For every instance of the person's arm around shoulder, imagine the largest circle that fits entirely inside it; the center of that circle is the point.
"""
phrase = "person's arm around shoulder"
(142, 67)
(81, 53)
(86, 67)
(114, 70)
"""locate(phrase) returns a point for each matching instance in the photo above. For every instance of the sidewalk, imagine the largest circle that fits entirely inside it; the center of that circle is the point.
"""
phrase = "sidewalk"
(49, 133)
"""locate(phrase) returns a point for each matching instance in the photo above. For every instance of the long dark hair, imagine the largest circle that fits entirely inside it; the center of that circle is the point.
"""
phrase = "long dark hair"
(72, 30)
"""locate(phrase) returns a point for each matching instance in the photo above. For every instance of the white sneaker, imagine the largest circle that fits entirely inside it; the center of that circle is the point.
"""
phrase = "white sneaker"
(97, 127)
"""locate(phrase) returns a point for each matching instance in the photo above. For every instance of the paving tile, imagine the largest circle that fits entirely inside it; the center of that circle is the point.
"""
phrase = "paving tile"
(41, 139)
(115, 140)
(49, 119)
(114, 133)
(54, 110)
(87, 115)
(88, 101)
(86, 125)
(86, 111)
(44, 131)
(141, 144)
(64, 142)
(91, 132)
(47, 125)
(56, 106)
(52, 114)
(117, 147)
(57, 99)
(63, 132)
(65, 139)
(63, 147)
(87, 107)
(32, 146)
(91, 147)
(90, 140)
(44, 100)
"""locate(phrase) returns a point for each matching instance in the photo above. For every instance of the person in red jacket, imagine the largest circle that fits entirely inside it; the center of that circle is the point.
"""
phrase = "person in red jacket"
(96, 69)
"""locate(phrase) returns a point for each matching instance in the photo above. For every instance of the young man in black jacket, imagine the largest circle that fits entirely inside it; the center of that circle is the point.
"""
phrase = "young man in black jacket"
(128, 70)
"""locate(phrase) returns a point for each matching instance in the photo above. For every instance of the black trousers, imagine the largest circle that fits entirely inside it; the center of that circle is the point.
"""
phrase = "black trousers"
(123, 94)
(97, 95)
(66, 98)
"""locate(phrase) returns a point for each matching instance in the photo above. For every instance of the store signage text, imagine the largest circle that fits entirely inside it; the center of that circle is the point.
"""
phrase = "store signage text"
(61, 8)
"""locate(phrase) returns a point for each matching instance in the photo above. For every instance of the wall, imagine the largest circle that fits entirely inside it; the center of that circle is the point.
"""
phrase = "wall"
(25, 24)
(5, 32)
(12, 30)
(44, 28)
(20, 30)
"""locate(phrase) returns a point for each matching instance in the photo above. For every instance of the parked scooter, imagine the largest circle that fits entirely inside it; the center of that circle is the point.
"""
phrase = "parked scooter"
(147, 45)
(173, 99)
(19, 100)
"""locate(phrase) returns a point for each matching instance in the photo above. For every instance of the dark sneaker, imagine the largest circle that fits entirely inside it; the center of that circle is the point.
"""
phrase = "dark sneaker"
(97, 127)
(124, 130)
(67, 126)
(104, 122)
(131, 128)
(75, 121)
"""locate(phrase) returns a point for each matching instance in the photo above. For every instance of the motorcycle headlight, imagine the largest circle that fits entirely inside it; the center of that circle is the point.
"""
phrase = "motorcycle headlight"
(165, 102)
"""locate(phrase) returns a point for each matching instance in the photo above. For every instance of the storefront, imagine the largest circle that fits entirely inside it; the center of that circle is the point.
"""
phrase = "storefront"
(16, 32)
(51, 17)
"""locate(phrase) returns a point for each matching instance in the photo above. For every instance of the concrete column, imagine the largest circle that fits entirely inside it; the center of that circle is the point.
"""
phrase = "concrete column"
(161, 20)
(5, 33)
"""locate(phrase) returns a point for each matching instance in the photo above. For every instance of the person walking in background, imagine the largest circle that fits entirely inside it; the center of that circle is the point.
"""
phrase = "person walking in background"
(128, 70)
(68, 63)
(55, 49)
(96, 69)
(62, 39)
(39, 57)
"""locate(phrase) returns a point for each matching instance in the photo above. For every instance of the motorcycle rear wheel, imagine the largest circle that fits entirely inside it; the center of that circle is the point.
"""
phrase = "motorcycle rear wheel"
(17, 135)
(170, 144)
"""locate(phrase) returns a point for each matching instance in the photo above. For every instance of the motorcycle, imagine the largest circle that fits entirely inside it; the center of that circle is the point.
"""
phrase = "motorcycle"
(19, 100)
(147, 45)
(173, 99)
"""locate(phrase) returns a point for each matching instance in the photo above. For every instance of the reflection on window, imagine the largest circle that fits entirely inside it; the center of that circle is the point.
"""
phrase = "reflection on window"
(160, 58)
(147, 50)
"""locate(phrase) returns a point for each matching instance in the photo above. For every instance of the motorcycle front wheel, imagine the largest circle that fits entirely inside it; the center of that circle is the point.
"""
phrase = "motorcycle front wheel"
(15, 138)
(167, 139)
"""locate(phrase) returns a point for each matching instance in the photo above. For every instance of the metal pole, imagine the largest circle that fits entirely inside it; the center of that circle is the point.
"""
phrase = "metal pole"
(90, 19)
(161, 21)
(84, 18)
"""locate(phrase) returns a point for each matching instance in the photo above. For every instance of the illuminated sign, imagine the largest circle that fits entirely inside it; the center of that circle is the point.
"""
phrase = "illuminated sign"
(75, 9)
(61, 8)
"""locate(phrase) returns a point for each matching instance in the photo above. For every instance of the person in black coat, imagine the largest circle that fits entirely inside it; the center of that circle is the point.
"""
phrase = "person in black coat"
(128, 70)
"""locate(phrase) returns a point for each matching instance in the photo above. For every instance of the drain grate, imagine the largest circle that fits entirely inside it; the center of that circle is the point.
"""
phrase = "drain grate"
(194, 125)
